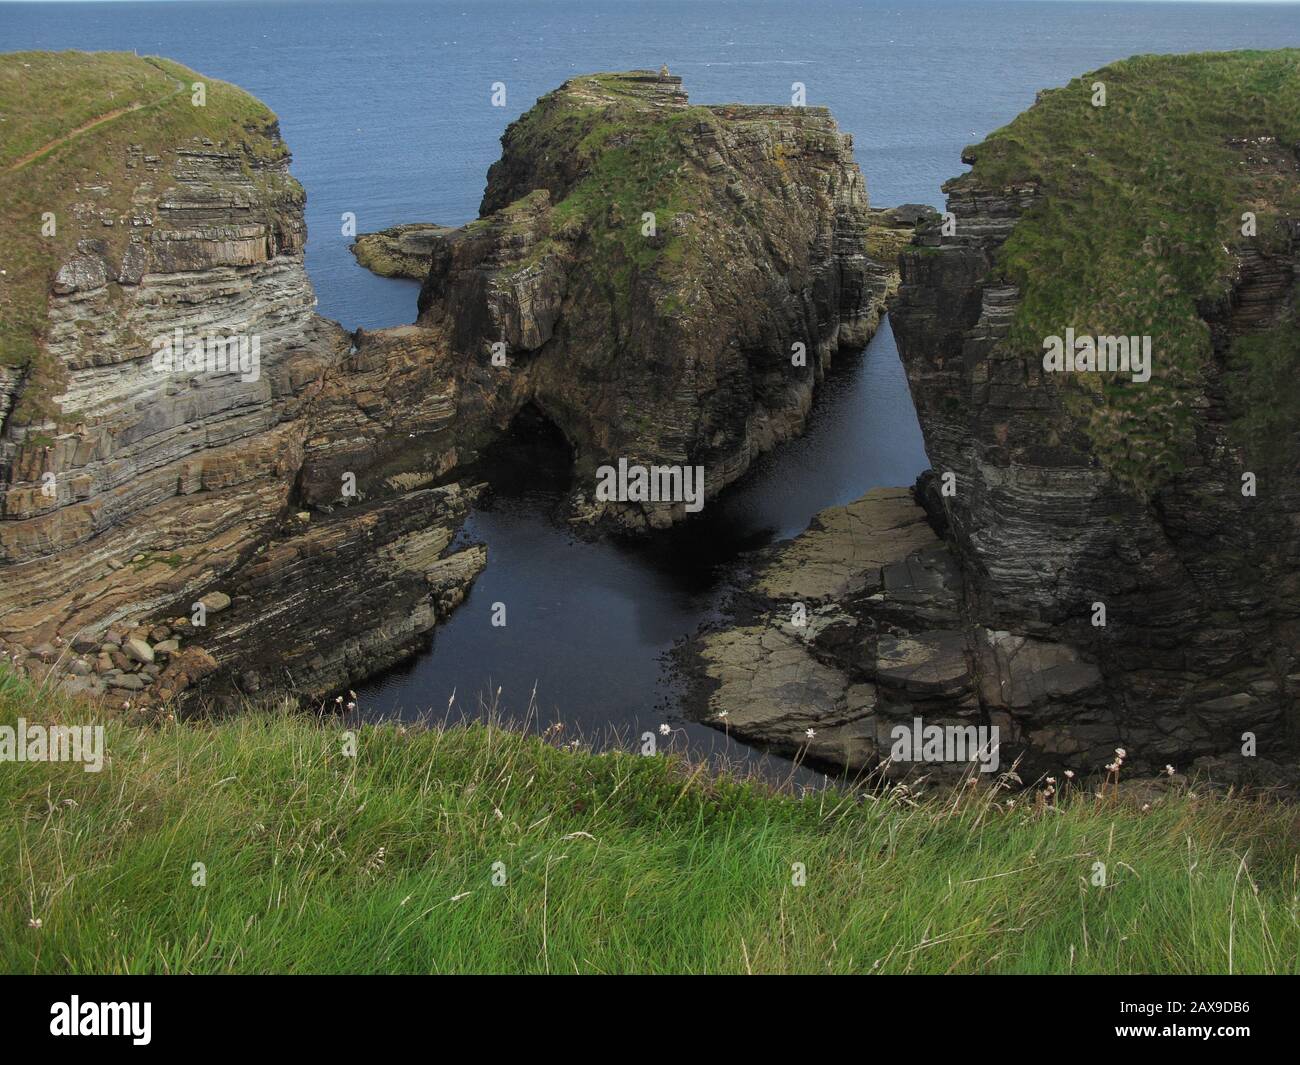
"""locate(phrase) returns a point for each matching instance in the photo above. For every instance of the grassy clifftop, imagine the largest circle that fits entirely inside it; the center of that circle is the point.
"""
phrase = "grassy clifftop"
(316, 861)
(71, 122)
(607, 148)
(1140, 223)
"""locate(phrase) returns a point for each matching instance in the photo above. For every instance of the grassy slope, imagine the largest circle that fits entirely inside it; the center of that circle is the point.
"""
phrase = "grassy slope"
(44, 96)
(1143, 203)
(319, 862)
(632, 158)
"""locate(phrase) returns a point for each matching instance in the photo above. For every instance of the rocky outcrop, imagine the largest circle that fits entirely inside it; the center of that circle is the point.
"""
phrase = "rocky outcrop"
(1065, 498)
(162, 434)
(402, 251)
(150, 483)
(665, 282)
(842, 634)
(345, 596)
(1121, 565)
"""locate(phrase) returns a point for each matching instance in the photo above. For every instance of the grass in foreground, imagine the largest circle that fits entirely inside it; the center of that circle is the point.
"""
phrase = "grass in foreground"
(318, 862)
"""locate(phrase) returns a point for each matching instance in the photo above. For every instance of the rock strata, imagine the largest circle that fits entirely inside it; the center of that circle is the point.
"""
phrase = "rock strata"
(1054, 513)
(138, 485)
(293, 618)
(665, 282)
(847, 630)
(402, 251)
(1120, 563)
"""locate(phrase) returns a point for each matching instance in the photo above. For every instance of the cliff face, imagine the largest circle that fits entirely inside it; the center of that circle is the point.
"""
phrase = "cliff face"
(126, 486)
(137, 470)
(1071, 493)
(650, 269)
(666, 282)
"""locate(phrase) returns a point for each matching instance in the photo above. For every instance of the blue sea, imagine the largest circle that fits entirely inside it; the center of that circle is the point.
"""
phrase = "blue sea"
(386, 105)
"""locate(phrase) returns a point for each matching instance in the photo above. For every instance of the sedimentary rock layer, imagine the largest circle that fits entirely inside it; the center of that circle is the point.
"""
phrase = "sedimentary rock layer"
(665, 282)
(138, 471)
(402, 251)
(1127, 553)
(1133, 495)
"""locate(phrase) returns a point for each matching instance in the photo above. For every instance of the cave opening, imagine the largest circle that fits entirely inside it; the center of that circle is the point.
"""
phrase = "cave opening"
(531, 455)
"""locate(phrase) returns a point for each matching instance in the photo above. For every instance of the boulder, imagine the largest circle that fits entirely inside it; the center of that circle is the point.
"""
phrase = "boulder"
(215, 602)
(138, 650)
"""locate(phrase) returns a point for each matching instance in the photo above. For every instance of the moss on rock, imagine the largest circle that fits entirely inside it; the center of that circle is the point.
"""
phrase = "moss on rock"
(1137, 228)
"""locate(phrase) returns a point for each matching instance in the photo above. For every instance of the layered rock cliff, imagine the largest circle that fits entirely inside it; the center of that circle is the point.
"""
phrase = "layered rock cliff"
(1122, 558)
(161, 362)
(665, 282)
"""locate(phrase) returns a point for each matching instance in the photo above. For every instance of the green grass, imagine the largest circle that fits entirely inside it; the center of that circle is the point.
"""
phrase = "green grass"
(47, 96)
(1139, 222)
(319, 862)
(629, 159)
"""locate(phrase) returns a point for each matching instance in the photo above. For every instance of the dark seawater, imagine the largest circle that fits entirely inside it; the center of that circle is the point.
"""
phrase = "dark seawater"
(386, 106)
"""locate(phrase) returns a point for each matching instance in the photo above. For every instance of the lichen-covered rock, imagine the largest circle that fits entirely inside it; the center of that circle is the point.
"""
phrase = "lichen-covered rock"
(665, 282)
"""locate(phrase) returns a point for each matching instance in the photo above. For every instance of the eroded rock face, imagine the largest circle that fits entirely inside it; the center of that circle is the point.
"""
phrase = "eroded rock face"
(140, 481)
(347, 596)
(665, 282)
(402, 251)
(163, 481)
(1065, 497)
(847, 630)
(1199, 583)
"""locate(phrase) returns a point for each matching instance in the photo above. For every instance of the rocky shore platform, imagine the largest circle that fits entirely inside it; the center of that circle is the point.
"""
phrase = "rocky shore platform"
(862, 624)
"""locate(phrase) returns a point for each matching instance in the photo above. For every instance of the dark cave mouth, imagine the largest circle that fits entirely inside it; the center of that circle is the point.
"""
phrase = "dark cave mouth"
(531, 455)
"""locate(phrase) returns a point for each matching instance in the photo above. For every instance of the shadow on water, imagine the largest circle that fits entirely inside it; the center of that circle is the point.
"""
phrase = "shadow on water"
(589, 619)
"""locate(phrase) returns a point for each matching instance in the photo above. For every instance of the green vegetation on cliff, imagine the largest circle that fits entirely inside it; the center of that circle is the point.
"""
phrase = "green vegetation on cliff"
(627, 154)
(1140, 224)
(84, 133)
(314, 861)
